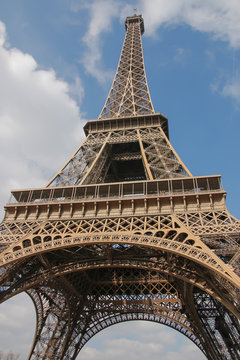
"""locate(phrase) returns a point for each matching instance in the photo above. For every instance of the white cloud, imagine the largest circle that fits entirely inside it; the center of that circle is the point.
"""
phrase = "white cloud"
(2, 33)
(139, 340)
(101, 15)
(17, 325)
(228, 86)
(136, 340)
(39, 120)
(76, 89)
(217, 17)
(232, 89)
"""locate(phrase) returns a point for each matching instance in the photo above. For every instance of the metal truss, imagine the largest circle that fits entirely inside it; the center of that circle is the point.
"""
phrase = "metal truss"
(102, 154)
(124, 232)
(129, 94)
(219, 325)
(77, 166)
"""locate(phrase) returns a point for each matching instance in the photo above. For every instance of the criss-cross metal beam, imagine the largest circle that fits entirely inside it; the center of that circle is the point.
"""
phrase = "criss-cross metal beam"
(129, 94)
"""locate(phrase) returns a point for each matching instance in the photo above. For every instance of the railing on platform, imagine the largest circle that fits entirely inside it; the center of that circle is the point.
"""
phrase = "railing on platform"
(121, 190)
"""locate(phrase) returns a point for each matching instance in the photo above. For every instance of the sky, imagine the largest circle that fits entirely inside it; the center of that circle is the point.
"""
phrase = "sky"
(57, 62)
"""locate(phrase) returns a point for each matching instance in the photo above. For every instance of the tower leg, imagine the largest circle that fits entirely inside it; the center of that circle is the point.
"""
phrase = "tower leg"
(53, 323)
(222, 328)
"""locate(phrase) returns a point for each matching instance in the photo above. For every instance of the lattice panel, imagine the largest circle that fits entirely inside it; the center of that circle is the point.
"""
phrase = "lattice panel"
(90, 163)
(123, 136)
(160, 156)
(200, 223)
(12, 231)
(210, 222)
(77, 166)
(79, 318)
(129, 94)
(220, 326)
(53, 314)
(170, 236)
(144, 224)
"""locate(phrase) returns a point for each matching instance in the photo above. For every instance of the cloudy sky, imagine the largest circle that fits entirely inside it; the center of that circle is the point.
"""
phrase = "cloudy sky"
(57, 61)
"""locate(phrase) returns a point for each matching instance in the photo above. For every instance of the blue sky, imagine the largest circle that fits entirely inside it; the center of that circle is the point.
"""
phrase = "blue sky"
(57, 62)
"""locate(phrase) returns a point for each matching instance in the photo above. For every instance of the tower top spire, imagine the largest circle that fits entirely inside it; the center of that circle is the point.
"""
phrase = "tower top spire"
(135, 19)
(129, 94)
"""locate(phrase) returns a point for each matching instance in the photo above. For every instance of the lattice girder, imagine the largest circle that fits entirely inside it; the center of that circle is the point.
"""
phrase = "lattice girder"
(172, 238)
(53, 322)
(129, 94)
(150, 145)
(75, 260)
(61, 233)
(98, 310)
(219, 325)
(77, 166)
(115, 229)
(121, 295)
(10, 232)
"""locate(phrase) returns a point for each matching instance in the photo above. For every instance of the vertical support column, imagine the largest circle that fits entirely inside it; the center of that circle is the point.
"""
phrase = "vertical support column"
(53, 323)
(96, 160)
(146, 165)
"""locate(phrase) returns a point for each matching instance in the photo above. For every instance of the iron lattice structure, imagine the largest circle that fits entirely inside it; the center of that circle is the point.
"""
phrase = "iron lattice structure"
(124, 232)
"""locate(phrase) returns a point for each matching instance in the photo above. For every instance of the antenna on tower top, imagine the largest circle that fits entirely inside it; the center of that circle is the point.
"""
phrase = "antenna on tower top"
(135, 11)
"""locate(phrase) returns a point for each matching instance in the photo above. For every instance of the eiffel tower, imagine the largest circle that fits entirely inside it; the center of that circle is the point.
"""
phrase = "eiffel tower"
(125, 232)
